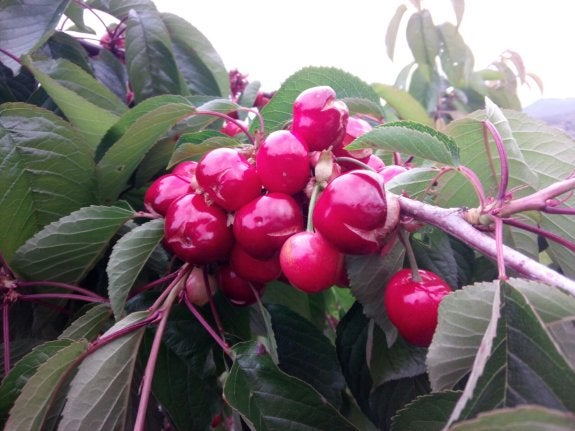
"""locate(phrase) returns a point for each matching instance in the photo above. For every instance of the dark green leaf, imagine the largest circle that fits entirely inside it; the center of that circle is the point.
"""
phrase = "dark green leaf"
(67, 249)
(271, 400)
(31, 408)
(120, 161)
(426, 413)
(422, 38)
(392, 29)
(62, 45)
(186, 143)
(21, 372)
(26, 26)
(412, 138)
(406, 106)
(522, 418)
(151, 63)
(362, 106)
(199, 63)
(121, 8)
(105, 372)
(128, 257)
(89, 325)
(16, 88)
(46, 171)
(112, 73)
(279, 110)
(306, 353)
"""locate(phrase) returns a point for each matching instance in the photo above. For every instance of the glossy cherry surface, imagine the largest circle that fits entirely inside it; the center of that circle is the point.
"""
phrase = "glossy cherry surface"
(282, 163)
(164, 190)
(196, 232)
(238, 290)
(263, 225)
(228, 178)
(351, 212)
(196, 286)
(319, 118)
(412, 306)
(391, 171)
(310, 263)
(354, 129)
(254, 269)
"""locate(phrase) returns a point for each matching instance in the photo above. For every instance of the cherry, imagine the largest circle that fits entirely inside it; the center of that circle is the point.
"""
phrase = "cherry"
(164, 190)
(319, 119)
(282, 163)
(231, 129)
(254, 269)
(412, 306)
(354, 129)
(375, 162)
(197, 232)
(238, 290)
(392, 171)
(196, 287)
(310, 263)
(187, 169)
(228, 178)
(262, 226)
(351, 212)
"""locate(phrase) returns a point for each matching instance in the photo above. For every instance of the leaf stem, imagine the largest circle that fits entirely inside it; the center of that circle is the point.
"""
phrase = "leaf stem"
(6, 336)
(153, 284)
(356, 162)
(504, 163)
(224, 346)
(213, 307)
(404, 238)
(549, 235)
(12, 56)
(226, 117)
(86, 298)
(66, 286)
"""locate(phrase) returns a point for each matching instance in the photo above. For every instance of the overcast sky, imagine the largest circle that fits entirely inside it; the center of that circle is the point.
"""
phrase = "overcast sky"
(270, 40)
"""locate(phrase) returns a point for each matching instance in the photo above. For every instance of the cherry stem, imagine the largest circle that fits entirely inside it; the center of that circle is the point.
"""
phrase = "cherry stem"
(258, 114)
(224, 346)
(86, 298)
(6, 336)
(499, 245)
(404, 238)
(397, 159)
(213, 308)
(226, 117)
(476, 183)
(534, 229)
(451, 221)
(61, 285)
(12, 56)
(356, 162)
(504, 164)
(4, 265)
(312, 200)
(153, 284)
(180, 275)
(539, 200)
(87, 6)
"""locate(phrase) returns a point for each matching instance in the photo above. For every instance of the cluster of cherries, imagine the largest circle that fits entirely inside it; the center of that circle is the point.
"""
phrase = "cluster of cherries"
(290, 207)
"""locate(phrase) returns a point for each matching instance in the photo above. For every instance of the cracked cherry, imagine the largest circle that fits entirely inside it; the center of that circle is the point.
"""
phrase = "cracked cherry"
(228, 178)
(412, 306)
(262, 226)
(197, 232)
(164, 190)
(310, 263)
(319, 118)
(282, 163)
(351, 212)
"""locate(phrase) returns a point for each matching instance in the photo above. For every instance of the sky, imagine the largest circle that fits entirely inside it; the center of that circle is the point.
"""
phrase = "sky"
(269, 40)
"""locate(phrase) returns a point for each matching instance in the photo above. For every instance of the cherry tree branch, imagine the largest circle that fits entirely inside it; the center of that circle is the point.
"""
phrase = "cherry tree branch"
(451, 221)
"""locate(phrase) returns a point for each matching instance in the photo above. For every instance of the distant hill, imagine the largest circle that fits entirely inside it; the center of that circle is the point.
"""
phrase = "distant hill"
(555, 112)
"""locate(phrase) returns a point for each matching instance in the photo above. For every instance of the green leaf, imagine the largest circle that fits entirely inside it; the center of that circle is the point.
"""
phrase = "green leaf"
(91, 119)
(406, 106)
(152, 67)
(522, 364)
(522, 418)
(67, 249)
(21, 372)
(121, 160)
(111, 72)
(562, 332)
(63, 46)
(411, 138)
(456, 57)
(89, 325)
(426, 413)
(98, 395)
(128, 257)
(306, 353)
(422, 38)
(31, 408)
(392, 29)
(16, 88)
(46, 171)
(75, 12)
(186, 147)
(199, 63)
(279, 110)
(24, 27)
(415, 182)
(271, 400)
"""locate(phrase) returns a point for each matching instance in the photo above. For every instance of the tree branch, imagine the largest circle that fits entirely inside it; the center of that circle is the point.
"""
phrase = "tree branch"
(450, 220)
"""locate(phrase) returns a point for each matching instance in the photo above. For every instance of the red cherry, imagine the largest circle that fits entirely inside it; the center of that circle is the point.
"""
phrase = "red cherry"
(391, 171)
(351, 212)
(375, 162)
(228, 178)
(253, 269)
(196, 287)
(282, 163)
(412, 306)
(310, 263)
(197, 232)
(236, 289)
(187, 169)
(164, 190)
(262, 226)
(354, 129)
(319, 119)
(231, 129)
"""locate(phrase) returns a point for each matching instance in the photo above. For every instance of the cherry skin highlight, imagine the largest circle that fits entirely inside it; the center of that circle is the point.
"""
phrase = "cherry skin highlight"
(253, 269)
(165, 190)
(412, 306)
